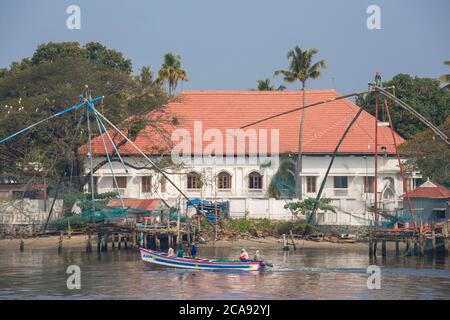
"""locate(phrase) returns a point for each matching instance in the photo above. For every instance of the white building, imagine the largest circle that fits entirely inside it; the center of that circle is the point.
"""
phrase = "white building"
(240, 168)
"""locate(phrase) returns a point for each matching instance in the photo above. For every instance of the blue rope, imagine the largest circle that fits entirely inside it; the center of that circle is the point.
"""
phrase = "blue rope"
(46, 119)
(110, 164)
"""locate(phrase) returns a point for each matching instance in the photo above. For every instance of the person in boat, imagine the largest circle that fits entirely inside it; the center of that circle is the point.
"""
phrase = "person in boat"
(180, 253)
(193, 250)
(257, 256)
(243, 256)
(170, 253)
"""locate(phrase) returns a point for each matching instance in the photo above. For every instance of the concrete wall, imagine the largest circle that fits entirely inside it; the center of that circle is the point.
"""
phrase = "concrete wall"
(28, 211)
(353, 204)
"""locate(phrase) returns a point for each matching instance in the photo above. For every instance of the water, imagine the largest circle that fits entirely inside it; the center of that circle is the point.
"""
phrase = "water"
(304, 274)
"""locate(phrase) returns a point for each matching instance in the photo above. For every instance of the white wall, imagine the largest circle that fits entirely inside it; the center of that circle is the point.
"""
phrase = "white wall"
(353, 205)
(28, 211)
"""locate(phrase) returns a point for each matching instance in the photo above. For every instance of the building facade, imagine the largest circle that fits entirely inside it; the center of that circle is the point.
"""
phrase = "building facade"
(242, 170)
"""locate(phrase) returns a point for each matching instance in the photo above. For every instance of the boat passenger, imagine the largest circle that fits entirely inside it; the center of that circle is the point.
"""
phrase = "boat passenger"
(193, 250)
(244, 255)
(180, 253)
(257, 256)
(170, 253)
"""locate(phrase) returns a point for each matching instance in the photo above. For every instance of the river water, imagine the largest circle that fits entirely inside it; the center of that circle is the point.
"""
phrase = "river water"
(304, 274)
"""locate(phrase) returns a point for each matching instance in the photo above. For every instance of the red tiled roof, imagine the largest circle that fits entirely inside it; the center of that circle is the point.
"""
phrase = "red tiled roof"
(323, 126)
(141, 204)
(427, 190)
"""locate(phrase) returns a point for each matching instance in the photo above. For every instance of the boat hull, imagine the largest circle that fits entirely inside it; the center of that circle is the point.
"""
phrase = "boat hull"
(159, 258)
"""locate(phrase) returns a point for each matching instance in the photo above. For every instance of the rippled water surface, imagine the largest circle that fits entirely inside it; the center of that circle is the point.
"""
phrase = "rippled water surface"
(304, 274)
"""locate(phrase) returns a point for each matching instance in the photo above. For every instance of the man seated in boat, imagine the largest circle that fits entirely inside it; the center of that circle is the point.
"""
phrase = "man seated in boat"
(243, 256)
(180, 252)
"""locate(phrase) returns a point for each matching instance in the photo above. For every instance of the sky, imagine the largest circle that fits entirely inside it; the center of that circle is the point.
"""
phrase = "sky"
(229, 45)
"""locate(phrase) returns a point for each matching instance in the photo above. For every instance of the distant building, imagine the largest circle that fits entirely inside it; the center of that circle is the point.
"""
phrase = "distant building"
(204, 115)
(430, 203)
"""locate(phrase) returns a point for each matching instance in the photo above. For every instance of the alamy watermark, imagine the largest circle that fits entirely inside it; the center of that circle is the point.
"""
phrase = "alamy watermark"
(374, 20)
(73, 21)
(374, 280)
(230, 146)
(74, 280)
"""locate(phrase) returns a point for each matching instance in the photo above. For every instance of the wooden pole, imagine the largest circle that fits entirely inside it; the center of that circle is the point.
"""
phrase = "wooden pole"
(99, 239)
(383, 248)
(22, 244)
(60, 242)
(292, 239)
(375, 245)
(113, 241)
(285, 243)
(370, 248)
(408, 247)
(397, 248)
(88, 243)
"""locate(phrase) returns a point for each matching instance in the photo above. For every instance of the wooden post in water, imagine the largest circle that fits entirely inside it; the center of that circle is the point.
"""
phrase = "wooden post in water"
(22, 244)
(88, 243)
(285, 243)
(292, 239)
(120, 241)
(416, 247)
(433, 241)
(126, 241)
(99, 240)
(397, 248)
(60, 242)
(157, 243)
(113, 241)
(408, 247)
(370, 248)
(383, 248)
(375, 246)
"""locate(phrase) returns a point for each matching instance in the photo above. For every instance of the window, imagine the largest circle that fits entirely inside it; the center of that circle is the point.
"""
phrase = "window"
(121, 182)
(162, 184)
(311, 184)
(146, 184)
(193, 181)
(440, 214)
(224, 180)
(369, 184)
(341, 182)
(254, 180)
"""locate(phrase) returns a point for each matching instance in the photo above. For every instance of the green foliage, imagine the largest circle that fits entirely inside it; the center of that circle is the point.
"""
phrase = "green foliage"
(282, 184)
(265, 85)
(423, 94)
(171, 71)
(52, 80)
(301, 67)
(266, 226)
(306, 206)
(429, 154)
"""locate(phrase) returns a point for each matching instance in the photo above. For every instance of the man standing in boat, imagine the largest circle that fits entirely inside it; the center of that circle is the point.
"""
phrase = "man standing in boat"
(193, 250)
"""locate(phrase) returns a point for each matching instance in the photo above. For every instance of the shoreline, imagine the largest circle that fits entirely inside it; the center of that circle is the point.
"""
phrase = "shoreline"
(79, 242)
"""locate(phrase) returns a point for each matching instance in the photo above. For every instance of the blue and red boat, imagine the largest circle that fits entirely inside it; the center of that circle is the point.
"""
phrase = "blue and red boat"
(163, 259)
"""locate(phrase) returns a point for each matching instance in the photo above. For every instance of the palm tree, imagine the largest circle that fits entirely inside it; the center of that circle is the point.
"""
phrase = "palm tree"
(301, 68)
(446, 77)
(265, 85)
(171, 71)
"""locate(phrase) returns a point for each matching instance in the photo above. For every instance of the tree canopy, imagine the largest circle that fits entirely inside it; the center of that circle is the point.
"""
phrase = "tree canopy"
(51, 81)
(171, 71)
(423, 94)
(428, 154)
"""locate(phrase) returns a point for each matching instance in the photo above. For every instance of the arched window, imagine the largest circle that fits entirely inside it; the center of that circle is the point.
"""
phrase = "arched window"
(224, 181)
(193, 181)
(255, 180)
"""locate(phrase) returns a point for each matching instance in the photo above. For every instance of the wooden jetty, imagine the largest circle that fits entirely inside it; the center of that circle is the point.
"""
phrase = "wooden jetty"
(132, 235)
(410, 242)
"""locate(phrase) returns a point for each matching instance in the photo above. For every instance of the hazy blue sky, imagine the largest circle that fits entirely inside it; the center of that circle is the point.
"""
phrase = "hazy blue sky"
(229, 44)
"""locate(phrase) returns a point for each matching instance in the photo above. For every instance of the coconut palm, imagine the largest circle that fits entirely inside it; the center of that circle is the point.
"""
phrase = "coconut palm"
(301, 68)
(265, 85)
(446, 77)
(171, 71)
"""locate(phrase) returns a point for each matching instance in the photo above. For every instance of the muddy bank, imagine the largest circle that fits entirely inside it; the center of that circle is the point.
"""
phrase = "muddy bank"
(79, 241)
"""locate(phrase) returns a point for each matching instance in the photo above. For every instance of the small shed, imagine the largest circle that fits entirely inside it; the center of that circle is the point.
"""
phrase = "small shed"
(430, 203)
